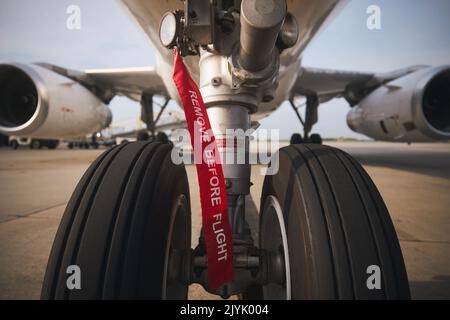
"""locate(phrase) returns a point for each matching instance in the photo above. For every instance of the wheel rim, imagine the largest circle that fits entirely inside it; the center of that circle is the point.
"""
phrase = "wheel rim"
(178, 243)
(274, 238)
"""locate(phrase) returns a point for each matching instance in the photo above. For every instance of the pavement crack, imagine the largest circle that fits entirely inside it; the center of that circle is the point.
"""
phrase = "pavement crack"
(25, 214)
(425, 241)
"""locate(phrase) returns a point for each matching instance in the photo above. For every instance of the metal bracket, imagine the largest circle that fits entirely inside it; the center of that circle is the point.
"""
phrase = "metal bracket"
(190, 28)
(262, 78)
(199, 21)
(253, 266)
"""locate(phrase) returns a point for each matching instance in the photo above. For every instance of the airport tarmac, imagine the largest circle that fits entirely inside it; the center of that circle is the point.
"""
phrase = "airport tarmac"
(35, 186)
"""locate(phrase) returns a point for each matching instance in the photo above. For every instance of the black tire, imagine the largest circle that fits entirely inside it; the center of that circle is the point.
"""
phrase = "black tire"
(296, 138)
(70, 145)
(142, 135)
(116, 226)
(336, 226)
(315, 138)
(162, 137)
(14, 144)
(52, 144)
(35, 144)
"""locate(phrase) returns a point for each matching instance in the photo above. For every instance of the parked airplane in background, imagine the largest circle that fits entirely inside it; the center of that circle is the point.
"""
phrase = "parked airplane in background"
(323, 223)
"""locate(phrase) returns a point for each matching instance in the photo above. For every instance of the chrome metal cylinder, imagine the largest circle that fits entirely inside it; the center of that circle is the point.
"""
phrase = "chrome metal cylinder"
(261, 21)
(229, 114)
(230, 124)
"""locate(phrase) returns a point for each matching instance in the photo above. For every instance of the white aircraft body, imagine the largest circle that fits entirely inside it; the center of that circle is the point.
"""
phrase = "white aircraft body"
(404, 105)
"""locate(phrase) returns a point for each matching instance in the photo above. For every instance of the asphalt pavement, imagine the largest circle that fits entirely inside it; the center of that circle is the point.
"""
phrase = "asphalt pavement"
(414, 181)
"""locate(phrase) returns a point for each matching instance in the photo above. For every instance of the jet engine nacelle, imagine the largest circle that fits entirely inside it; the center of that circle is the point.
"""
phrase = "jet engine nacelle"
(37, 102)
(413, 108)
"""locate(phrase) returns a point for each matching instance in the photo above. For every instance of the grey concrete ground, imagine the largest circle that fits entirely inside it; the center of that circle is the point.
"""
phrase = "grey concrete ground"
(414, 181)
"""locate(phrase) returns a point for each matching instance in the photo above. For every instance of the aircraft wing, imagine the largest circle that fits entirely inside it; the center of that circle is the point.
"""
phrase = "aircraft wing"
(130, 82)
(107, 83)
(353, 86)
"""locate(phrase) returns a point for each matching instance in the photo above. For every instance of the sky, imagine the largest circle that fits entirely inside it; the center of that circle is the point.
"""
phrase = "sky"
(412, 32)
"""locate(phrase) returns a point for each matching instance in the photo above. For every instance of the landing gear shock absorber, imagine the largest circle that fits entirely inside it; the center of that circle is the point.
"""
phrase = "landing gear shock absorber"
(233, 83)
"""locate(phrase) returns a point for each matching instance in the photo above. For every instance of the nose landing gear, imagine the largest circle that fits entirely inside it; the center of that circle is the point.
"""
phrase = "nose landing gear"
(323, 224)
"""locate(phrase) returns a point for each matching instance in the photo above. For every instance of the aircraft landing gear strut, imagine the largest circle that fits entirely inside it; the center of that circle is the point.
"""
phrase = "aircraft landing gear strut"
(147, 116)
(311, 118)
